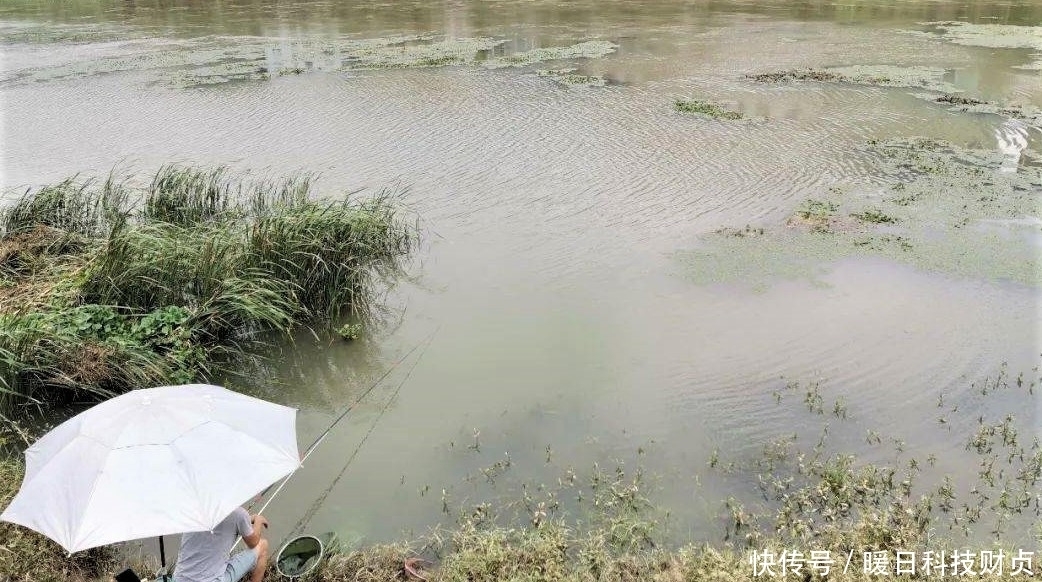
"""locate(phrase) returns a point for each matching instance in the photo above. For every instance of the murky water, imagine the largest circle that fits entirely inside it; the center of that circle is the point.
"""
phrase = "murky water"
(568, 331)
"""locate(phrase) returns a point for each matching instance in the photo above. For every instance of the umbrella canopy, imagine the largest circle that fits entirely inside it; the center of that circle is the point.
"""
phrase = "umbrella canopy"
(153, 462)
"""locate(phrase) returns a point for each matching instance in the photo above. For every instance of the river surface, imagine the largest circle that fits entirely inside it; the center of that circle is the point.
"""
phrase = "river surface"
(568, 330)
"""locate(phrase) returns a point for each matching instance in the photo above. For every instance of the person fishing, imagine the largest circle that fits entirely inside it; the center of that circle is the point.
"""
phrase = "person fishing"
(205, 555)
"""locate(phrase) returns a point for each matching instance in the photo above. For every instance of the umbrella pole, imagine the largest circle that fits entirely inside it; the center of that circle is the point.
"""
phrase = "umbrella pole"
(162, 557)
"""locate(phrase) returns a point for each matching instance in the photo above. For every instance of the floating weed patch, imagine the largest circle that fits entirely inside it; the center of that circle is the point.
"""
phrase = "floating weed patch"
(706, 108)
(962, 212)
(929, 78)
(993, 36)
(569, 78)
(748, 231)
(350, 331)
(419, 55)
(219, 74)
(957, 100)
(990, 35)
(795, 75)
(874, 216)
(815, 215)
(294, 58)
(215, 60)
(1029, 114)
(581, 80)
(590, 49)
(57, 33)
(792, 496)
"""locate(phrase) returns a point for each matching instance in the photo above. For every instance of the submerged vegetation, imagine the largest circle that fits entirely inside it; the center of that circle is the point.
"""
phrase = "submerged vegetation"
(210, 61)
(105, 287)
(932, 80)
(993, 36)
(939, 207)
(800, 499)
(817, 215)
(587, 50)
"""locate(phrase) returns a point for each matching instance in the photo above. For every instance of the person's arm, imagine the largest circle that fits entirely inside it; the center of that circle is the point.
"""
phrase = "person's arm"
(252, 540)
(258, 523)
(250, 534)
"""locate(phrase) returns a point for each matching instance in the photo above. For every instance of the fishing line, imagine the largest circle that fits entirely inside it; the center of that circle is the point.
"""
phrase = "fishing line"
(307, 453)
(310, 513)
(325, 433)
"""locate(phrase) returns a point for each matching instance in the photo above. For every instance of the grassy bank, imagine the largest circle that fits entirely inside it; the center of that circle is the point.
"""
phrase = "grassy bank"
(106, 287)
(617, 543)
(798, 496)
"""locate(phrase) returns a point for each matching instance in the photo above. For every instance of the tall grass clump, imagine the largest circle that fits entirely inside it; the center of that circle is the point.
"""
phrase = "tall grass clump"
(105, 287)
(74, 206)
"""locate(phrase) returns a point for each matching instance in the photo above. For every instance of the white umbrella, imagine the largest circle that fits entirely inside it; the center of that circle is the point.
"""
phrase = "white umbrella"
(153, 462)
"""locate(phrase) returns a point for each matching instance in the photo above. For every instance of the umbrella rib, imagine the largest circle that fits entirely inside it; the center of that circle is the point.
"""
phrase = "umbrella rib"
(27, 483)
(230, 427)
(190, 478)
(193, 483)
(93, 489)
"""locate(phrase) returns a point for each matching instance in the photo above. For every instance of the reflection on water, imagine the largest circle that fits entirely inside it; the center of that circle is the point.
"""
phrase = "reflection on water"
(553, 215)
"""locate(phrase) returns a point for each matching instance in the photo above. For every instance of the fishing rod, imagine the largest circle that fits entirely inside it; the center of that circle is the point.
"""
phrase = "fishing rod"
(310, 513)
(311, 448)
(314, 445)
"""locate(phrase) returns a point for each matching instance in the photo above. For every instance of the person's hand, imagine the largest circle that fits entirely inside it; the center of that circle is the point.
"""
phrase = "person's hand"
(260, 520)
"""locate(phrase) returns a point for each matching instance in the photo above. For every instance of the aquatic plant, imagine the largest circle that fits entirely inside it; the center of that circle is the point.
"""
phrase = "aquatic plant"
(588, 49)
(795, 75)
(350, 331)
(929, 78)
(818, 215)
(705, 108)
(874, 216)
(107, 288)
(958, 100)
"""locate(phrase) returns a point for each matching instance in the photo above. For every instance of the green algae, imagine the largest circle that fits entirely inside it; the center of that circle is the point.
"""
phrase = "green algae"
(590, 49)
(941, 208)
(928, 78)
